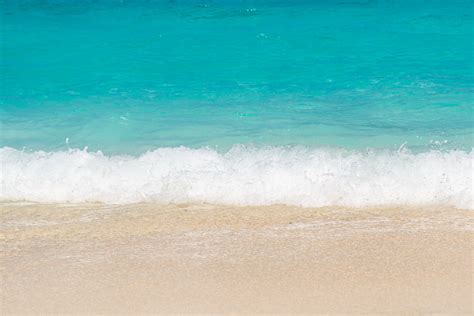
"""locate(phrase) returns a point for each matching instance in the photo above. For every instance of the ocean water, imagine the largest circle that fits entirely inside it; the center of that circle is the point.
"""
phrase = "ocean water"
(312, 103)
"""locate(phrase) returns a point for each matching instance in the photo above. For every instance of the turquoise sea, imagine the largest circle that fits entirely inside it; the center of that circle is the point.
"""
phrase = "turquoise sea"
(309, 103)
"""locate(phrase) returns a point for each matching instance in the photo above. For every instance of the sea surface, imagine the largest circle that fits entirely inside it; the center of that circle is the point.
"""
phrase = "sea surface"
(311, 103)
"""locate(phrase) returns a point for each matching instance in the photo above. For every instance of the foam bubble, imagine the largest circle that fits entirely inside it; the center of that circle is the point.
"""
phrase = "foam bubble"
(242, 176)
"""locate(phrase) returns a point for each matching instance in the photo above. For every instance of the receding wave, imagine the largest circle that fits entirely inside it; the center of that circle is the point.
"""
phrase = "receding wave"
(242, 176)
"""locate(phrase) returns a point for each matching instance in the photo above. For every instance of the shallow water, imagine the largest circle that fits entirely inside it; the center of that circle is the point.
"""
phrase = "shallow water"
(127, 77)
(131, 76)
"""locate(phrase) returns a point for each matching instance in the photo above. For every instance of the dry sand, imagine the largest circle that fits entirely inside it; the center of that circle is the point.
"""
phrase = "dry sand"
(198, 258)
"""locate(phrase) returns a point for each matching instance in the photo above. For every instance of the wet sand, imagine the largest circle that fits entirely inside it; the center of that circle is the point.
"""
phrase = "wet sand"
(199, 258)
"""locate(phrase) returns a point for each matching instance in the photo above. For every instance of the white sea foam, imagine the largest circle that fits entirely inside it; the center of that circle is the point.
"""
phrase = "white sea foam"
(242, 176)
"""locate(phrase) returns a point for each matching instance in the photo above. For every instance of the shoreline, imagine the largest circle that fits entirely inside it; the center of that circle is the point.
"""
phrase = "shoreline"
(200, 258)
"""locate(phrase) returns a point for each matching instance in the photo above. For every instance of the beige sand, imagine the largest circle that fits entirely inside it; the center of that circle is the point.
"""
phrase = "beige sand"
(214, 259)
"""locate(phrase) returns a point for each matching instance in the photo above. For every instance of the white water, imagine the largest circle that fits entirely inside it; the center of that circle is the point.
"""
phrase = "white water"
(242, 176)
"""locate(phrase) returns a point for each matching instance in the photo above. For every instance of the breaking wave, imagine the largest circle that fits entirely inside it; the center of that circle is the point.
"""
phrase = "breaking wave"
(242, 176)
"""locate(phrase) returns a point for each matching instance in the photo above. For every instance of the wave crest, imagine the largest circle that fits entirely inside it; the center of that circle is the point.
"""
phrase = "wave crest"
(242, 176)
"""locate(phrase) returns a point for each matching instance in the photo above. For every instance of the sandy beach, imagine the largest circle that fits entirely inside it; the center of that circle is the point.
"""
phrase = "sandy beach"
(199, 258)
(169, 157)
